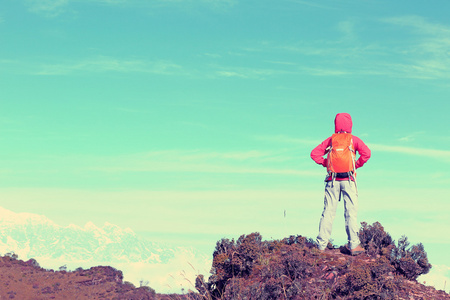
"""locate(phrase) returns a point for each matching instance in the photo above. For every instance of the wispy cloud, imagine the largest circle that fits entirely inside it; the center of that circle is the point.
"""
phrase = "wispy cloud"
(207, 2)
(50, 8)
(110, 64)
(249, 73)
(431, 153)
(313, 4)
(246, 72)
(103, 64)
(337, 58)
(193, 161)
(426, 152)
(112, 1)
(54, 8)
(427, 51)
(238, 155)
(420, 25)
(231, 74)
(318, 48)
(422, 54)
(326, 72)
(212, 55)
(347, 28)
(288, 140)
(411, 137)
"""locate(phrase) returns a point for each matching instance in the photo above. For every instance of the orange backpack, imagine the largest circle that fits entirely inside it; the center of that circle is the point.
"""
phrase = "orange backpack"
(341, 155)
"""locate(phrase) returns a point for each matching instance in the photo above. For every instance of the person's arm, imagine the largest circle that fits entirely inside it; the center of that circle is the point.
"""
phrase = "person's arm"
(363, 151)
(318, 152)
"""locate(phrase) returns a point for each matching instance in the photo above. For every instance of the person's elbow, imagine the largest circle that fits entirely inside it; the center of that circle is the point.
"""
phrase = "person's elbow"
(368, 153)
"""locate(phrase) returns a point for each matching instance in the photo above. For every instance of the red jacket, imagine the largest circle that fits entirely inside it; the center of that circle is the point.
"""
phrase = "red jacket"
(342, 122)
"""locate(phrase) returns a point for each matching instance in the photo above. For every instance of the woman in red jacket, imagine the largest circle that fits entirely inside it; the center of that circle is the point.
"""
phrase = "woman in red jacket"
(339, 185)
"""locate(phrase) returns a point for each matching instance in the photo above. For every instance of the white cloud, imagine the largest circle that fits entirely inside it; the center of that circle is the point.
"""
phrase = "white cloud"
(231, 74)
(423, 54)
(196, 161)
(347, 28)
(426, 152)
(411, 137)
(284, 162)
(407, 138)
(54, 8)
(98, 64)
(432, 153)
(220, 3)
(248, 73)
(427, 50)
(184, 211)
(213, 55)
(288, 140)
(243, 155)
(311, 4)
(50, 8)
(214, 3)
(420, 24)
(110, 64)
(326, 72)
(113, 1)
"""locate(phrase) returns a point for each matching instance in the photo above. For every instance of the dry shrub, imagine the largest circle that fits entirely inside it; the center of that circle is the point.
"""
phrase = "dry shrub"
(373, 238)
(410, 262)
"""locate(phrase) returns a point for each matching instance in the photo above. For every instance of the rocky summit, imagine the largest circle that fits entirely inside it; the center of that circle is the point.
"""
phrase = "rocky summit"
(293, 268)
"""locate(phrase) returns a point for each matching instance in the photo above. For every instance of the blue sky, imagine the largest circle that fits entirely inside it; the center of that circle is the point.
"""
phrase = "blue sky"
(194, 120)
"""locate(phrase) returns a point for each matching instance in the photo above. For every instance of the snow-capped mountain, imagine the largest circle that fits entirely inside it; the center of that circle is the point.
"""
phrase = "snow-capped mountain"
(167, 269)
(36, 236)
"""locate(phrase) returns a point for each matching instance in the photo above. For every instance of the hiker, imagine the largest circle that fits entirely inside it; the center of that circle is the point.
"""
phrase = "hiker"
(340, 181)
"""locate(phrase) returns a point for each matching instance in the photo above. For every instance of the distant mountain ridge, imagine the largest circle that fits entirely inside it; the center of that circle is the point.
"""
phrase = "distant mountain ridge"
(36, 236)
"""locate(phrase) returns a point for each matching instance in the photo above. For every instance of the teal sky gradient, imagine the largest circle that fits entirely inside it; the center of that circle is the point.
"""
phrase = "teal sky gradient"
(195, 119)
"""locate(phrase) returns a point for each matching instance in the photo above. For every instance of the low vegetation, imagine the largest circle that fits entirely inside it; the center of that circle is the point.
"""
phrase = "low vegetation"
(293, 268)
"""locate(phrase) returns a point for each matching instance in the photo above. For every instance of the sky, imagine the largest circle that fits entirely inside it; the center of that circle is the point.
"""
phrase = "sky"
(193, 120)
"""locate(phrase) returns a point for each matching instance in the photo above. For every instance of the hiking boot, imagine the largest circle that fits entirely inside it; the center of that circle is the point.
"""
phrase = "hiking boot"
(320, 250)
(358, 250)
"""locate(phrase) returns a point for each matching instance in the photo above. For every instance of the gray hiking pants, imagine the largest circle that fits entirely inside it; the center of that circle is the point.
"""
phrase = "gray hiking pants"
(333, 193)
